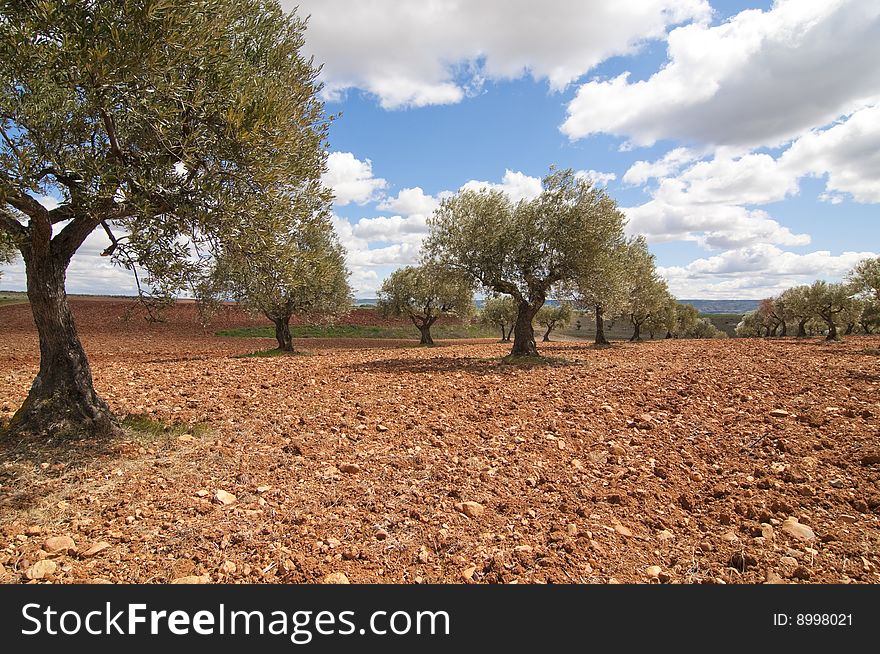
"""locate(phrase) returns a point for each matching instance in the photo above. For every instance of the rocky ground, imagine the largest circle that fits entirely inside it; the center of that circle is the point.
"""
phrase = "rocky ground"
(733, 461)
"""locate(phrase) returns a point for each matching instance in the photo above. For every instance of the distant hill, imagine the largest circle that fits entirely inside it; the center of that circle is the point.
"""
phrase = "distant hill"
(723, 306)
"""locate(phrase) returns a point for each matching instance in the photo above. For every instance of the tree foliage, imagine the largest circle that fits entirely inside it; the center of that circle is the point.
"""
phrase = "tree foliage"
(551, 317)
(425, 293)
(865, 277)
(523, 250)
(646, 291)
(500, 311)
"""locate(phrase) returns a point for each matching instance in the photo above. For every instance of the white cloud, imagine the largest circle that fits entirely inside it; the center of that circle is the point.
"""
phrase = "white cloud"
(518, 186)
(669, 164)
(423, 53)
(351, 179)
(759, 79)
(756, 271)
(411, 201)
(596, 177)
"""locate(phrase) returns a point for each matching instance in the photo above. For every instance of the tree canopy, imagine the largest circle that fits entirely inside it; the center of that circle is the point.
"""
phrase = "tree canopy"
(524, 249)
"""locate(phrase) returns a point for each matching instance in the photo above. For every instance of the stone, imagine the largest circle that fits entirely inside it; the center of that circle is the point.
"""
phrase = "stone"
(767, 531)
(228, 567)
(653, 571)
(335, 578)
(470, 509)
(665, 535)
(349, 468)
(202, 493)
(263, 489)
(617, 450)
(729, 537)
(225, 498)
(870, 459)
(778, 413)
(59, 545)
(773, 578)
(96, 548)
(192, 580)
(623, 531)
(381, 428)
(468, 573)
(792, 527)
(847, 519)
(41, 569)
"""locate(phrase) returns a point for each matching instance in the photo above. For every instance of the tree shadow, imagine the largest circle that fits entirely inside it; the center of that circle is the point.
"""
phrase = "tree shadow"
(439, 364)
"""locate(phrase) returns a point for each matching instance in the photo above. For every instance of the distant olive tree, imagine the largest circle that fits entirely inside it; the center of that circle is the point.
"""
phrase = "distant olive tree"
(523, 250)
(798, 306)
(646, 291)
(424, 293)
(153, 122)
(551, 317)
(294, 266)
(828, 302)
(500, 311)
(600, 287)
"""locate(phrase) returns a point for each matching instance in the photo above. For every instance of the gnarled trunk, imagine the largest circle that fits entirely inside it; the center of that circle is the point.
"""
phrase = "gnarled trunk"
(600, 328)
(282, 334)
(802, 328)
(832, 331)
(546, 338)
(524, 332)
(849, 329)
(62, 401)
(783, 329)
(425, 331)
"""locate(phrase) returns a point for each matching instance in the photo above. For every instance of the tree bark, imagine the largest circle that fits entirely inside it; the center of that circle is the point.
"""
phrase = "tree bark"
(849, 329)
(783, 329)
(600, 328)
(425, 331)
(802, 328)
(832, 331)
(524, 332)
(282, 334)
(62, 401)
(546, 338)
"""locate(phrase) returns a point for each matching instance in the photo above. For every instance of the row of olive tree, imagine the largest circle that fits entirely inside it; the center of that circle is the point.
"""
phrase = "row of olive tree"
(832, 308)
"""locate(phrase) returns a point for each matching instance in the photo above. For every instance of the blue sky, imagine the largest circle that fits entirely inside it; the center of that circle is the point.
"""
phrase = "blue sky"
(742, 138)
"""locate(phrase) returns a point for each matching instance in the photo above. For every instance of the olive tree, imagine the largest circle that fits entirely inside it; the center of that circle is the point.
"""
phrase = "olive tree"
(523, 250)
(293, 267)
(797, 304)
(152, 121)
(551, 317)
(500, 311)
(828, 302)
(750, 325)
(870, 318)
(425, 293)
(600, 287)
(646, 291)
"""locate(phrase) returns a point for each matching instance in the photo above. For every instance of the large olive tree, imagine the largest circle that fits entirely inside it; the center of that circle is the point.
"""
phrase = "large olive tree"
(424, 293)
(150, 120)
(524, 249)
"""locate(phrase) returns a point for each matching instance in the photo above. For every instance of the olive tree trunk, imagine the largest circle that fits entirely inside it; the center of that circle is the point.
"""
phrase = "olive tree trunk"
(524, 332)
(832, 331)
(802, 328)
(600, 327)
(62, 401)
(425, 331)
(282, 333)
(637, 331)
(546, 338)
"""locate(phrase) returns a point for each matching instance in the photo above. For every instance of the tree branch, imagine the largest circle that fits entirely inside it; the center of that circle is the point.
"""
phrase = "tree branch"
(10, 225)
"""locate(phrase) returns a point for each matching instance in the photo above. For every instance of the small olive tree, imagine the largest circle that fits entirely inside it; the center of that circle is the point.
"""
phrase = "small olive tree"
(600, 287)
(798, 307)
(646, 291)
(828, 302)
(551, 317)
(523, 250)
(294, 266)
(500, 311)
(424, 293)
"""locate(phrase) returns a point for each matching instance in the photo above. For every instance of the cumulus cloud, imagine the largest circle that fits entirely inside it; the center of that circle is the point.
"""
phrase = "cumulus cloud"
(424, 53)
(756, 271)
(669, 164)
(596, 177)
(518, 186)
(760, 78)
(351, 179)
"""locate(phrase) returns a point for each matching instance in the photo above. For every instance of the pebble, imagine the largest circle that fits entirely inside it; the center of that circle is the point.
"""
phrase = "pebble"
(653, 571)
(40, 569)
(665, 535)
(349, 468)
(224, 498)
(468, 573)
(778, 413)
(228, 567)
(792, 527)
(848, 519)
(470, 509)
(623, 531)
(59, 545)
(773, 578)
(335, 578)
(96, 548)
